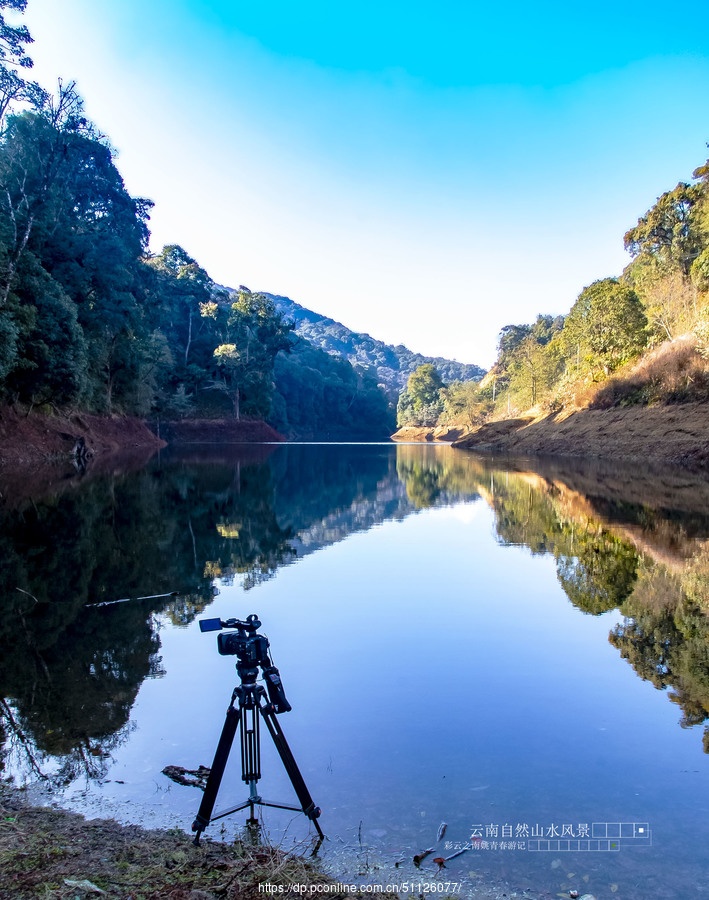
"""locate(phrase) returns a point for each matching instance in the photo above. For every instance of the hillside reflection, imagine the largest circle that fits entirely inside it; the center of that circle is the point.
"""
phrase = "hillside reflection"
(70, 669)
(622, 538)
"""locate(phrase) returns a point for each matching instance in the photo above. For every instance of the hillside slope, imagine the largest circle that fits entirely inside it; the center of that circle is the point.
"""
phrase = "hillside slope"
(393, 365)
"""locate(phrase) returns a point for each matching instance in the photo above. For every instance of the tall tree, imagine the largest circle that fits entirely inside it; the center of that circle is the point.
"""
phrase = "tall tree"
(255, 334)
(182, 291)
(67, 222)
(671, 231)
(35, 156)
(464, 405)
(13, 58)
(531, 358)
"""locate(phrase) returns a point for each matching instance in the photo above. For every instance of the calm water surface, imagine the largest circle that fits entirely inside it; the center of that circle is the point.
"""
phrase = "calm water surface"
(516, 649)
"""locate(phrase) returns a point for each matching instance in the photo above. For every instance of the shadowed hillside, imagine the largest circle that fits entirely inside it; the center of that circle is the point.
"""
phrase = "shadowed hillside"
(393, 365)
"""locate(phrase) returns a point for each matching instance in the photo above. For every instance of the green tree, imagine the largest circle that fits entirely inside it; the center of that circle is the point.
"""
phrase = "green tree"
(255, 334)
(35, 155)
(190, 310)
(508, 346)
(13, 58)
(72, 281)
(422, 402)
(405, 413)
(536, 362)
(672, 232)
(52, 366)
(464, 405)
(605, 328)
(183, 289)
(424, 385)
(529, 359)
(511, 336)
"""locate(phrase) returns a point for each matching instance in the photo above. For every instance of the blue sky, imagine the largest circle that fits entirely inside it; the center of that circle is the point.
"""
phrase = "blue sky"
(425, 172)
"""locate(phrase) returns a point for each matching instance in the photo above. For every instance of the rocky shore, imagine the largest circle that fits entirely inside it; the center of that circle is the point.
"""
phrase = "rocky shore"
(48, 852)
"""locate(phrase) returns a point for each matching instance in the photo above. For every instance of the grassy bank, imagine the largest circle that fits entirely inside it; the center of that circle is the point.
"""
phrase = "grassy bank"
(51, 853)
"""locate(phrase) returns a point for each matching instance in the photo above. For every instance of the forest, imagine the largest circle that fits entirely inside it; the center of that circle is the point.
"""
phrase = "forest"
(392, 364)
(639, 338)
(91, 320)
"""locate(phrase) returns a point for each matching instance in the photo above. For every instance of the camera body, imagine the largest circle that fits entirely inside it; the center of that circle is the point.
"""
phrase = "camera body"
(252, 652)
(251, 649)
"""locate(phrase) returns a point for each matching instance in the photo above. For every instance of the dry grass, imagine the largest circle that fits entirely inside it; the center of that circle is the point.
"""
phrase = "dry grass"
(673, 373)
(695, 580)
(48, 853)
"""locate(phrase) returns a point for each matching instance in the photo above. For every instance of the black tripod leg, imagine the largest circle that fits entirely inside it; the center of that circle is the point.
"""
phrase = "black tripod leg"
(291, 766)
(221, 756)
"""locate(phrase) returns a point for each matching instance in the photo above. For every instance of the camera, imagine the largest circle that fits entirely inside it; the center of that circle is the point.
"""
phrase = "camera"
(248, 706)
(252, 652)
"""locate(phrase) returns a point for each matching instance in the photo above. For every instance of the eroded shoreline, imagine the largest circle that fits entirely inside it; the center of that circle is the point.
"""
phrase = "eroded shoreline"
(677, 434)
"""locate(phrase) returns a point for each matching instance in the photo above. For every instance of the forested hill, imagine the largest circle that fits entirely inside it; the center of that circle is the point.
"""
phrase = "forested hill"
(393, 365)
(640, 338)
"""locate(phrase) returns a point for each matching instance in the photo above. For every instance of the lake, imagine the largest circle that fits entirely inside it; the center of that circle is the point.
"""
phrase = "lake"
(516, 648)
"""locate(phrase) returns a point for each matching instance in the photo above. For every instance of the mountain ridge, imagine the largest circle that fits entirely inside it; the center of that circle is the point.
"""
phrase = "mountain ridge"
(393, 363)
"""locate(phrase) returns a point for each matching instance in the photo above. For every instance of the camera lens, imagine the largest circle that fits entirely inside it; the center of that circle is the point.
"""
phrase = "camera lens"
(229, 644)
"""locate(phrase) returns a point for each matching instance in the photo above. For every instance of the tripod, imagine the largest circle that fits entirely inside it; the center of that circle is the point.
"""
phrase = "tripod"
(247, 707)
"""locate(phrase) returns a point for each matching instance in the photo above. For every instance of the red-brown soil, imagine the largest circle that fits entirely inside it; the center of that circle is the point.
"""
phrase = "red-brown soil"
(37, 451)
(37, 438)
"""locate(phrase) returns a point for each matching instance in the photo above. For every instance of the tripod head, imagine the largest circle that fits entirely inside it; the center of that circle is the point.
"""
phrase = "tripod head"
(252, 652)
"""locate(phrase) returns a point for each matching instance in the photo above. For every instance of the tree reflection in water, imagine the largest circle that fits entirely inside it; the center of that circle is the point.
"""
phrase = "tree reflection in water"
(70, 670)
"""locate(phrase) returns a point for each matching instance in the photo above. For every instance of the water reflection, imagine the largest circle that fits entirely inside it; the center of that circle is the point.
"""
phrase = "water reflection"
(71, 671)
(616, 546)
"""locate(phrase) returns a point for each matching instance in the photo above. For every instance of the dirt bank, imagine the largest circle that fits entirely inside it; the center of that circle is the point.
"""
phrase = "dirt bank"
(217, 431)
(39, 438)
(444, 433)
(674, 433)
